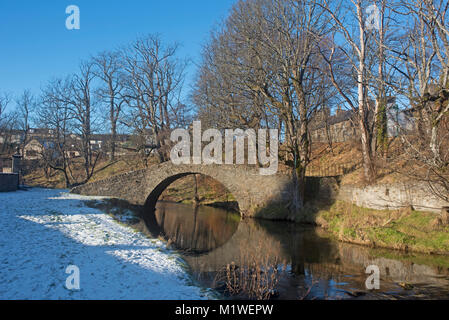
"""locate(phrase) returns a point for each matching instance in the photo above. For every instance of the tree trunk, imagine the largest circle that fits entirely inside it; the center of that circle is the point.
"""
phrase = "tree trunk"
(113, 122)
(113, 140)
(368, 168)
(298, 171)
(196, 196)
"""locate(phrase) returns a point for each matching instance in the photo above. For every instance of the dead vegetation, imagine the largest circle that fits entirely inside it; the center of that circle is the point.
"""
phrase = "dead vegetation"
(41, 177)
(256, 277)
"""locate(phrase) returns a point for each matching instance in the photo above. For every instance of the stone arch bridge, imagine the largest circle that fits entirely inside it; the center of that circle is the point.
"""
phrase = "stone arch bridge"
(261, 196)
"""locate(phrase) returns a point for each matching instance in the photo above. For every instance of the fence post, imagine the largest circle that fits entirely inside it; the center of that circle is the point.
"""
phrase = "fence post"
(16, 163)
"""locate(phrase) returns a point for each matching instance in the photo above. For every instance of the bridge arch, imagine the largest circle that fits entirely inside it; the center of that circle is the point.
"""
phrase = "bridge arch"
(167, 173)
(155, 194)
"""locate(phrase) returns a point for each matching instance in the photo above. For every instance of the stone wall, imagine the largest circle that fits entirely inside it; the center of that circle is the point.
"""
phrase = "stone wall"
(322, 188)
(392, 196)
(380, 197)
(9, 182)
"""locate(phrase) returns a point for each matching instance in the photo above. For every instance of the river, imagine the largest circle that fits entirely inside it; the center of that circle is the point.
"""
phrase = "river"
(308, 262)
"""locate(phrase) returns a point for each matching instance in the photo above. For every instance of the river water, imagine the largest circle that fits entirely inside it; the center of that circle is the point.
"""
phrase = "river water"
(309, 263)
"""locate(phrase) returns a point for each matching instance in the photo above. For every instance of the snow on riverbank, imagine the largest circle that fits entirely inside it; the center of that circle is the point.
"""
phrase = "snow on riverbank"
(43, 231)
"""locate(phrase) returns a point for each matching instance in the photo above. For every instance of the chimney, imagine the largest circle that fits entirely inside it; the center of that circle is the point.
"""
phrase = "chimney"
(338, 111)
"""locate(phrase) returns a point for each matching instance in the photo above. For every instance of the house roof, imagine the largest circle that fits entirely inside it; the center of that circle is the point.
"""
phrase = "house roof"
(105, 137)
(342, 116)
(40, 131)
(10, 131)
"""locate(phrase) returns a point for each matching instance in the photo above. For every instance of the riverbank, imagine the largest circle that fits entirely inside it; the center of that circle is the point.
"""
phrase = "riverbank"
(403, 229)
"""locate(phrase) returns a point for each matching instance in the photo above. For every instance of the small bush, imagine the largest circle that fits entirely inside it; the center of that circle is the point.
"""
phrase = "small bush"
(256, 277)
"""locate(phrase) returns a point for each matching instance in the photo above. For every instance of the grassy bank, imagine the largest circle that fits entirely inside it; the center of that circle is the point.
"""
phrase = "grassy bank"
(403, 229)
(103, 170)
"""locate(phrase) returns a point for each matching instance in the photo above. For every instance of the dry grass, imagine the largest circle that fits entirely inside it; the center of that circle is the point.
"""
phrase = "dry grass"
(103, 170)
(349, 155)
(256, 277)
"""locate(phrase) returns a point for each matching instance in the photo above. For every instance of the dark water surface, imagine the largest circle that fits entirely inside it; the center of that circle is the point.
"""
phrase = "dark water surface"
(311, 264)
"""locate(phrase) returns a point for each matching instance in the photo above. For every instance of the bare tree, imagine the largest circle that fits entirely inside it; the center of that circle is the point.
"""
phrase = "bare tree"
(7, 123)
(81, 103)
(56, 115)
(76, 94)
(380, 127)
(222, 100)
(154, 81)
(351, 25)
(5, 99)
(266, 55)
(108, 68)
(26, 106)
(423, 53)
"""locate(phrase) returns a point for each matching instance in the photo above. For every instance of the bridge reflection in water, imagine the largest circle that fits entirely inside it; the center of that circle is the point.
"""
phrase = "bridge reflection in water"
(195, 229)
(314, 264)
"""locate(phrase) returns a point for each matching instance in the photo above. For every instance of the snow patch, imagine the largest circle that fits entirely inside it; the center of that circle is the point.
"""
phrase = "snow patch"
(44, 231)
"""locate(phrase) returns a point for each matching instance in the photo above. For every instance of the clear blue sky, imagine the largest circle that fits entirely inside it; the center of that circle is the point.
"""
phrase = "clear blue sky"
(36, 46)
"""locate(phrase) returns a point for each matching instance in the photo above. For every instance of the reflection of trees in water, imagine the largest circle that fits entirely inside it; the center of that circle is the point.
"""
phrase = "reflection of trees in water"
(196, 229)
(302, 244)
(312, 257)
(396, 266)
(220, 239)
(249, 238)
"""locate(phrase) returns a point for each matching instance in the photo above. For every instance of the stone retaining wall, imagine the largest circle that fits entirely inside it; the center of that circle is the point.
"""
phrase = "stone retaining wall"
(9, 182)
(392, 196)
